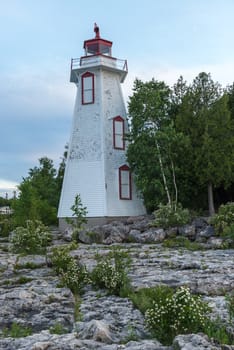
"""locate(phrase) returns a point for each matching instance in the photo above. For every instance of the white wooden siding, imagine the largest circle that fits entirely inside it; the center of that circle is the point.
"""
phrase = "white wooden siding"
(86, 179)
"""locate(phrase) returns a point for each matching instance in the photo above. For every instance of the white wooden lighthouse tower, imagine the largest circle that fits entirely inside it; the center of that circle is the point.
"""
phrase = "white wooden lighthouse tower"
(96, 165)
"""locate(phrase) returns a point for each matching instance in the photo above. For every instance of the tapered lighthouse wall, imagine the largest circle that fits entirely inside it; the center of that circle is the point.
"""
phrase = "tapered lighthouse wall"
(84, 173)
(93, 163)
(113, 105)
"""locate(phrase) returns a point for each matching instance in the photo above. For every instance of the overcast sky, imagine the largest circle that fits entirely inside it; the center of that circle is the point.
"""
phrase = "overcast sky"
(160, 38)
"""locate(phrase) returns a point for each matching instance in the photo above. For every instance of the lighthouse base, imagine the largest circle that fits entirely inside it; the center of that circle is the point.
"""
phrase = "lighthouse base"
(93, 221)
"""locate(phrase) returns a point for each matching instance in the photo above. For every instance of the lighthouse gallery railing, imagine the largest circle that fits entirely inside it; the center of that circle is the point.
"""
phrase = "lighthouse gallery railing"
(99, 59)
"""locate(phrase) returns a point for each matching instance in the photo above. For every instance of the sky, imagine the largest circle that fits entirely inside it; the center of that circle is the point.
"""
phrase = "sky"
(160, 39)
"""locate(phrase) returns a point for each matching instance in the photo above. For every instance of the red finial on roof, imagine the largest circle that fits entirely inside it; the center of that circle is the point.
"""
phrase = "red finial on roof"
(96, 30)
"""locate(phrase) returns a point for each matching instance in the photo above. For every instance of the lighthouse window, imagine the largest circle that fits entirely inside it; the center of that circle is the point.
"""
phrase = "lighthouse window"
(118, 133)
(87, 88)
(125, 188)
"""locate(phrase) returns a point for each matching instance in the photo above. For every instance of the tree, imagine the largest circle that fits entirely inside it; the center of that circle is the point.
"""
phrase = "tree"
(152, 152)
(230, 95)
(39, 195)
(4, 201)
(204, 117)
(178, 93)
(26, 205)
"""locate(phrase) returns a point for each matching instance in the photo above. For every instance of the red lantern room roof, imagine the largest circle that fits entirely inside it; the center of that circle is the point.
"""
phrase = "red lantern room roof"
(97, 46)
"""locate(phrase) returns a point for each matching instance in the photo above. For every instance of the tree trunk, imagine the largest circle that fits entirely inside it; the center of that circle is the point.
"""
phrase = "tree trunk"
(211, 199)
(175, 185)
(163, 174)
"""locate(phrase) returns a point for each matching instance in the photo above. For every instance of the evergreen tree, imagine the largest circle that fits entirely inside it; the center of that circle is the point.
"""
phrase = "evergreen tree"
(204, 117)
(39, 195)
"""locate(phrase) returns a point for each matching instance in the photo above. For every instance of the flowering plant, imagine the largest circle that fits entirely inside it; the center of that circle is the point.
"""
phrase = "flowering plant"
(75, 277)
(73, 274)
(111, 272)
(175, 314)
(33, 238)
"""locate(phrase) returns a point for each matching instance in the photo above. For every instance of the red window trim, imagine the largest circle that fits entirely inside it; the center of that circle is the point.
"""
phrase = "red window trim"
(86, 75)
(118, 119)
(125, 168)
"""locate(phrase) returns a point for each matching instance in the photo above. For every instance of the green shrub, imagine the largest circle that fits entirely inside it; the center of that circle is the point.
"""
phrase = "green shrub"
(73, 274)
(180, 313)
(171, 215)
(16, 331)
(79, 213)
(223, 221)
(31, 239)
(60, 258)
(111, 272)
(5, 225)
(75, 277)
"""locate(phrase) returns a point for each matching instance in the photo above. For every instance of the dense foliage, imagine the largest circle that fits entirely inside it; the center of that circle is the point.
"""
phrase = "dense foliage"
(39, 194)
(171, 215)
(182, 141)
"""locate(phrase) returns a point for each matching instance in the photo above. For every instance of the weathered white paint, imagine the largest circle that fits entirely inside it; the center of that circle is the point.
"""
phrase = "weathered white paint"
(93, 163)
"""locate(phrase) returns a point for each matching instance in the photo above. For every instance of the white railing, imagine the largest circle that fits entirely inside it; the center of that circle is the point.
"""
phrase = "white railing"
(93, 60)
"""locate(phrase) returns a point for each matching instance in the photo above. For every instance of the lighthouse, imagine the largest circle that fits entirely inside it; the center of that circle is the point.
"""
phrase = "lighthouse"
(96, 167)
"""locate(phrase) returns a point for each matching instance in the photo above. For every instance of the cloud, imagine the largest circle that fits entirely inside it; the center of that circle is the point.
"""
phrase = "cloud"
(38, 93)
(7, 186)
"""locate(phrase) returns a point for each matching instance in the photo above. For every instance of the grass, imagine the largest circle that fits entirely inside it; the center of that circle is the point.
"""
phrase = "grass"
(143, 298)
(20, 280)
(28, 265)
(58, 328)
(16, 331)
(181, 242)
(77, 314)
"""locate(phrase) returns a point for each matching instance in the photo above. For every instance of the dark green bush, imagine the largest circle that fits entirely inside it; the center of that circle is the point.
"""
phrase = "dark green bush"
(223, 221)
(6, 225)
(171, 215)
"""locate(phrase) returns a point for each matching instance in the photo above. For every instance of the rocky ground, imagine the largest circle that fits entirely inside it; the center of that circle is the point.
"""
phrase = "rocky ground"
(30, 296)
